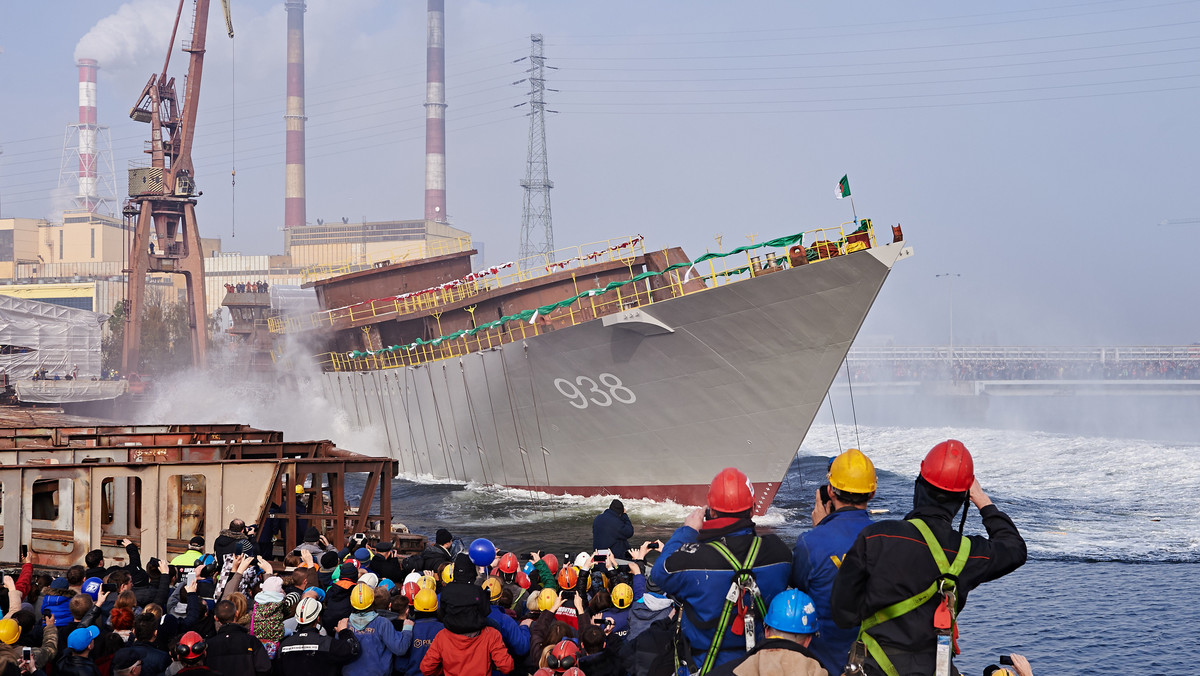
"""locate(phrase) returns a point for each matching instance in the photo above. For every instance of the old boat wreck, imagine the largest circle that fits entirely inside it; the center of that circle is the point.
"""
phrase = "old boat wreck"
(65, 490)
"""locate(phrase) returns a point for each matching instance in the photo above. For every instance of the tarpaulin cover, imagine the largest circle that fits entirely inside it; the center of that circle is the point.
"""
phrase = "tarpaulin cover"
(36, 335)
(62, 391)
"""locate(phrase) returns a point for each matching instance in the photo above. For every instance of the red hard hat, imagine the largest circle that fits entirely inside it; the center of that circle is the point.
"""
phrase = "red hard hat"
(949, 467)
(409, 590)
(731, 492)
(191, 646)
(522, 580)
(551, 563)
(508, 563)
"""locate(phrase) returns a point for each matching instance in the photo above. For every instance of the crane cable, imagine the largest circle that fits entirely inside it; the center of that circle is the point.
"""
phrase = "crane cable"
(233, 137)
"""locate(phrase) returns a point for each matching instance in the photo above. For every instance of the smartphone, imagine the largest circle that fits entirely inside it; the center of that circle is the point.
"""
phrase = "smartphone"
(108, 588)
(24, 551)
(600, 558)
(27, 653)
(1006, 659)
(653, 545)
(191, 577)
(295, 552)
(569, 594)
(824, 493)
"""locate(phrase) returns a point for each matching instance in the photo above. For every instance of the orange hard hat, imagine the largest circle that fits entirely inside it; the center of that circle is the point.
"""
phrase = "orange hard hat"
(731, 492)
(567, 577)
(949, 467)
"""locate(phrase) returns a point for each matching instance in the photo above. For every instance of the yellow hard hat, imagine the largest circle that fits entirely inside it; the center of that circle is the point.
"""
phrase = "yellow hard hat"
(447, 574)
(426, 601)
(10, 631)
(852, 472)
(492, 585)
(622, 596)
(362, 597)
(427, 582)
(547, 598)
(299, 489)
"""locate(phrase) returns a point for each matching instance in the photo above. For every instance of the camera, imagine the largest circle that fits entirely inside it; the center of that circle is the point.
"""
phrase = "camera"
(1006, 659)
(824, 489)
(653, 545)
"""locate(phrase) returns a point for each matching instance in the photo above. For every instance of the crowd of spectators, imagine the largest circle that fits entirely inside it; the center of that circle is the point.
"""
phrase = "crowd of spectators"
(247, 287)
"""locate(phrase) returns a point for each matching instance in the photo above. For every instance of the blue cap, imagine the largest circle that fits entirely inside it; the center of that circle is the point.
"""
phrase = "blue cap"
(91, 587)
(362, 554)
(81, 638)
(320, 592)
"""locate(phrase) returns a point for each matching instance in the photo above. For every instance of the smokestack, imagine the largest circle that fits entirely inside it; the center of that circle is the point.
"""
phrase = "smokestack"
(435, 114)
(293, 188)
(87, 197)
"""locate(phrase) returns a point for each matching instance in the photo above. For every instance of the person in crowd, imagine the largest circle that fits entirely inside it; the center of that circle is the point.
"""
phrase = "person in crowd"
(516, 636)
(191, 654)
(379, 640)
(476, 653)
(791, 625)
(11, 633)
(77, 659)
(464, 606)
(145, 631)
(434, 555)
(229, 542)
(189, 558)
(309, 652)
(425, 627)
(839, 513)
(914, 561)
(233, 651)
(386, 564)
(699, 564)
(315, 543)
(612, 529)
(1020, 667)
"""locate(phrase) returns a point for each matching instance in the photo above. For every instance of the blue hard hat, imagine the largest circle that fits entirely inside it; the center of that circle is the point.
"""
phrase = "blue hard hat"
(91, 587)
(482, 552)
(792, 611)
(387, 584)
(320, 593)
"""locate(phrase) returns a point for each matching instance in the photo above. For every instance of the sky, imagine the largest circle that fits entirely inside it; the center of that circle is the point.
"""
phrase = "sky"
(1032, 149)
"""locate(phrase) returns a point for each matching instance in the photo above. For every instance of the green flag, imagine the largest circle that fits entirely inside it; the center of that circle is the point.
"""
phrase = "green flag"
(843, 189)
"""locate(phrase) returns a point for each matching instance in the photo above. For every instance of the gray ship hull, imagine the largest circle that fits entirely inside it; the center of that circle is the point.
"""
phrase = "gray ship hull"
(649, 403)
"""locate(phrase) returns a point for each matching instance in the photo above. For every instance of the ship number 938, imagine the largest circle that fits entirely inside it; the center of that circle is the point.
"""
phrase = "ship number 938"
(585, 391)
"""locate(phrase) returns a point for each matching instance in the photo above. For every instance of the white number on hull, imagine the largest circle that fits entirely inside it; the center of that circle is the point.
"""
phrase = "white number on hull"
(616, 391)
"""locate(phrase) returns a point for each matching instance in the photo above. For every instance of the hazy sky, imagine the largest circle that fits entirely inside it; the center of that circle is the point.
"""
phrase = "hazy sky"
(1032, 147)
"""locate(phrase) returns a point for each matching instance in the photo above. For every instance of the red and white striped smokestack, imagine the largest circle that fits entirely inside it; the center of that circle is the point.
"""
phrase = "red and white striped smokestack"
(435, 114)
(87, 197)
(293, 188)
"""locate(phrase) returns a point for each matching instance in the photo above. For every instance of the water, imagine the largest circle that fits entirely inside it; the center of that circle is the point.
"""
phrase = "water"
(1112, 528)
(1112, 524)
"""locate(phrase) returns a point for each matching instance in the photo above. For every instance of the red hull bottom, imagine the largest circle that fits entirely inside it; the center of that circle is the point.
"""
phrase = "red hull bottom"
(684, 494)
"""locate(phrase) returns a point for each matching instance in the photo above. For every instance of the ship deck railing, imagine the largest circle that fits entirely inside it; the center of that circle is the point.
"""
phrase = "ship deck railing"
(819, 244)
(625, 249)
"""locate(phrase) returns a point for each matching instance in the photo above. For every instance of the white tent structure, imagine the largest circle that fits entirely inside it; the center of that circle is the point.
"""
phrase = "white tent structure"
(60, 340)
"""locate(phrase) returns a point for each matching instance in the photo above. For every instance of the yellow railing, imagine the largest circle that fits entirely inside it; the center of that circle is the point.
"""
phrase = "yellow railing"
(523, 270)
(824, 242)
(439, 247)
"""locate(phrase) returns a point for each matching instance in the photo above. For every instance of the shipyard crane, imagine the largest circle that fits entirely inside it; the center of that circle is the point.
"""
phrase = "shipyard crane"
(163, 195)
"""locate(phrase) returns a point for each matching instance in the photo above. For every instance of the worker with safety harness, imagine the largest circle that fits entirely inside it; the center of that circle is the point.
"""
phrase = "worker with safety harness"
(723, 573)
(906, 581)
(839, 514)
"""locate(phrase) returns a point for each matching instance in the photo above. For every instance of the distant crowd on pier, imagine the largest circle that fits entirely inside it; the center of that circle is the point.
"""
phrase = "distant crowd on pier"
(1024, 369)
(247, 287)
(852, 596)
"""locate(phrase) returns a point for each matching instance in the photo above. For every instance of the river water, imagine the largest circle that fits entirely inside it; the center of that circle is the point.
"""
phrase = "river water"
(1113, 529)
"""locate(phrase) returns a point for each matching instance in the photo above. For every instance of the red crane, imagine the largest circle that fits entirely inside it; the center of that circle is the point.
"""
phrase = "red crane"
(163, 195)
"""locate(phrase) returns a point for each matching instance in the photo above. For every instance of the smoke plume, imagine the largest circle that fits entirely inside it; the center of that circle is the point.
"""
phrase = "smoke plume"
(131, 37)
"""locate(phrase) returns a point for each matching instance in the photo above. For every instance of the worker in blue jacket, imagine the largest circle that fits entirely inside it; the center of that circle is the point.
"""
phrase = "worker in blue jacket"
(612, 530)
(425, 627)
(839, 513)
(516, 636)
(697, 568)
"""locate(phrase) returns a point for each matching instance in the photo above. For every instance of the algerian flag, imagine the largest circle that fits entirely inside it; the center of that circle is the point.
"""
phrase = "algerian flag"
(843, 188)
(533, 319)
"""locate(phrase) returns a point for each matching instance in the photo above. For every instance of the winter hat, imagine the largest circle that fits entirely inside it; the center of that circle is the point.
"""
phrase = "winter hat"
(329, 561)
(312, 534)
(348, 571)
(273, 584)
(464, 569)
(362, 554)
(196, 543)
(60, 583)
(617, 506)
(443, 537)
(81, 638)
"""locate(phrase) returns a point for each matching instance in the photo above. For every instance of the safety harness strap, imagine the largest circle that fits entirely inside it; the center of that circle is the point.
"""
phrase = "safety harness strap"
(946, 581)
(741, 571)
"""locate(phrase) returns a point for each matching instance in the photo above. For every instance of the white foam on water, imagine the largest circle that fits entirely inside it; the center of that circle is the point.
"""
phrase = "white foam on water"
(1071, 496)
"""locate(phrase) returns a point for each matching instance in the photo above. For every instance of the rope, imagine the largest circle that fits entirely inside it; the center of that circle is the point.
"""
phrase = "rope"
(835, 429)
(233, 139)
(852, 409)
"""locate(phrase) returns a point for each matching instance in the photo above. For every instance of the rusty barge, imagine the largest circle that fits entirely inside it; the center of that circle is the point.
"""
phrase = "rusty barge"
(69, 489)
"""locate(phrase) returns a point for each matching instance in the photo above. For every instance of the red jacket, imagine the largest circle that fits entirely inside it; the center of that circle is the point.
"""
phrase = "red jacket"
(458, 655)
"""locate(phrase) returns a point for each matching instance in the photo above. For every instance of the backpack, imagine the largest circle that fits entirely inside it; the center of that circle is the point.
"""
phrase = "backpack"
(463, 608)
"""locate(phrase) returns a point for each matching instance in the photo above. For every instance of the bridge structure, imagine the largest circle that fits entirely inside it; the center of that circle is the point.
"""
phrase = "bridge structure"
(1023, 370)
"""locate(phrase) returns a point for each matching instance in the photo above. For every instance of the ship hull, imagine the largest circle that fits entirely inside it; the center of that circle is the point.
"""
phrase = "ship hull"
(651, 403)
